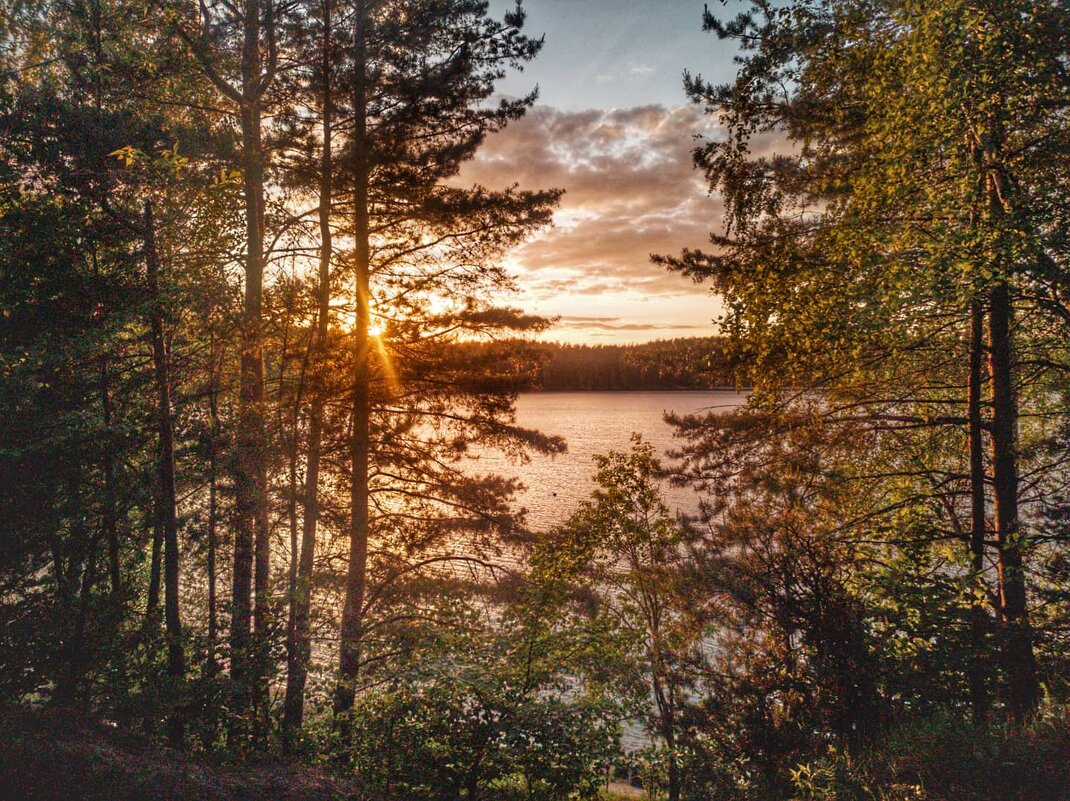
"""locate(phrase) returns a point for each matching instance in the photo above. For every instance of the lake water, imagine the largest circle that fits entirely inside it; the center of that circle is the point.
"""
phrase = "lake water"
(595, 423)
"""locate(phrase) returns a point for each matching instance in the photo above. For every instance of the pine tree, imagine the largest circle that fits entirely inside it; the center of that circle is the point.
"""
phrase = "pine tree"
(209, 40)
(418, 84)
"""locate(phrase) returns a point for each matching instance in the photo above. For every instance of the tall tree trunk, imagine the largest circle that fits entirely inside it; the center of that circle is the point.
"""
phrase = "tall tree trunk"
(1018, 641)
(109, 518)
(255, 291)
(353, 609)
(291, 499)
(251, 542)
(70, 685)
(213, 515)
(155, 569)
(666, 705)
(211, 660)
(166, 496)
(1019, 660)
(110, 530)
(298, 648)
(979, 700)
(294, 496)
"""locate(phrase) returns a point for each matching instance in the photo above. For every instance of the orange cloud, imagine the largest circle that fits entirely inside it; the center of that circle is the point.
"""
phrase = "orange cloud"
(630, 190)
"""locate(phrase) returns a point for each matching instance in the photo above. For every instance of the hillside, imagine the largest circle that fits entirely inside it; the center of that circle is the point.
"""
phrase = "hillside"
(53, 756)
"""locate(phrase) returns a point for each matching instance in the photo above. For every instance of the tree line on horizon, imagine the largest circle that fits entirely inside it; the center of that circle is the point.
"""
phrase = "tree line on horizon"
(678, 363)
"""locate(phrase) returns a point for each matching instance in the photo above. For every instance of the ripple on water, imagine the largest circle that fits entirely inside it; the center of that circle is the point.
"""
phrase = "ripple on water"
(595, 423)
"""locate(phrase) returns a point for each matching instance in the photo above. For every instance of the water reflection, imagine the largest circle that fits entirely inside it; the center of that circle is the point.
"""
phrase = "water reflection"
(594, 423)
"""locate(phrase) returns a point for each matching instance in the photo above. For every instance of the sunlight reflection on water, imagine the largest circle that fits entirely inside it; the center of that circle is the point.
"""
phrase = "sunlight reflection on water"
(595, 423)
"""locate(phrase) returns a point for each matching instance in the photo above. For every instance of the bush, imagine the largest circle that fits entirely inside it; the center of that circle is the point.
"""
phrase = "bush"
(445, 741)
(948, 759)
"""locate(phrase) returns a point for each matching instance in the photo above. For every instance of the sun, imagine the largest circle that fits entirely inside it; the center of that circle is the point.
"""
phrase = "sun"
(375, 330)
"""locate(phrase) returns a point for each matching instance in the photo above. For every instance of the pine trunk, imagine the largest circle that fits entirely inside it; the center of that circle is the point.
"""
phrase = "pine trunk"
(166, 496)
(109, 521)
(979, 700)
(299, 645)
(1018, 655)
(251, 536)
(155, 571)
(211, 536)
(353, 609)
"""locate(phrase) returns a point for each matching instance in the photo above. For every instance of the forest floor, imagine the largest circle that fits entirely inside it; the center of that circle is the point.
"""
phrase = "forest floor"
(620, 790)
(54, 756)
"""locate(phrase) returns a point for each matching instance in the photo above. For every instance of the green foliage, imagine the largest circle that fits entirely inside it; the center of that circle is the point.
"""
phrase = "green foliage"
(942, 759)
(481, 722)
(626, 551)
(448, 741)
(885, 168)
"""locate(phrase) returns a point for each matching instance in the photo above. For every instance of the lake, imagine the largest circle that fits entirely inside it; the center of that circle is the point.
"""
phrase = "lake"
(594, 423)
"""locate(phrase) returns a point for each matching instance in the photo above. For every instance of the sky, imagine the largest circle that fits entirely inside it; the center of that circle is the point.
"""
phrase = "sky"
(615, 130)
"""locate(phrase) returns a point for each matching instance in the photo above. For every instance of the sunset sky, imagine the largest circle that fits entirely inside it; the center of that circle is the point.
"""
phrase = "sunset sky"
(615, 130)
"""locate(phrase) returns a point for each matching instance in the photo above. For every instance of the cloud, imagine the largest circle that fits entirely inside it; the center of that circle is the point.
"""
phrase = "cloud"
(616, 324)
(631, 190)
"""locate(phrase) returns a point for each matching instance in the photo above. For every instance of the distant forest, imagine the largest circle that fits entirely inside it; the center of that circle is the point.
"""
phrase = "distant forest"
(685, 363)
(682, 363)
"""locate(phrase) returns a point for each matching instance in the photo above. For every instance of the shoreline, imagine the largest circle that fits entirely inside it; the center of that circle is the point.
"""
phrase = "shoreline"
(642, 389)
